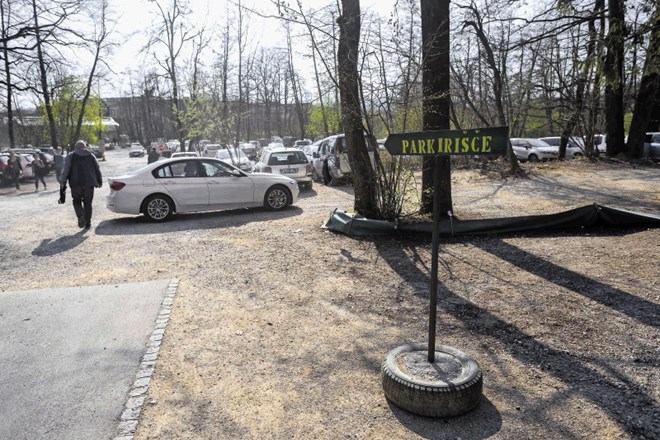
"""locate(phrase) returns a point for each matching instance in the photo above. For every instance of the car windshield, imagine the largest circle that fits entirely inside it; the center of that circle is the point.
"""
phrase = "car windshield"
(287, 158)
(537, 143)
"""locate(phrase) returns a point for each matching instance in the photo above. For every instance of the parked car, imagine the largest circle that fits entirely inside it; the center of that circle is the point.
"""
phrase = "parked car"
(249, 149)
(45, 158)
(331, 161)
(574, 147)
(185, 154)
(310, 150)
(532, 150)
(302, 143)
(196, 184)
(290, 162)
(136, 150)
(49, 153)
(26, 163)
(210, 150)
(4, 177)
(97, 152)
(600, 143)
(237, 158)
(652, 146)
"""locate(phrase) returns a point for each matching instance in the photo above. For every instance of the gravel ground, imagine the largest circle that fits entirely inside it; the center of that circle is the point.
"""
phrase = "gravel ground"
(279, 327)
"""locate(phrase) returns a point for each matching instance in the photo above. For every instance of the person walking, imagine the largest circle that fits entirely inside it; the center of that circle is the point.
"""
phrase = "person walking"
(39, 170)
(58, 161)
(14, 169)
(153, 155)
(82, 171)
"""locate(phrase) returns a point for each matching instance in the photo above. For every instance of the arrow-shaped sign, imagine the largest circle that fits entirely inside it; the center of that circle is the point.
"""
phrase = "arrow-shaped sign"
(478, 141)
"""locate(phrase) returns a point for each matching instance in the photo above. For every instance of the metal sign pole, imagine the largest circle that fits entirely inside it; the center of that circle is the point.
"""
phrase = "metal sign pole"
(434, 259)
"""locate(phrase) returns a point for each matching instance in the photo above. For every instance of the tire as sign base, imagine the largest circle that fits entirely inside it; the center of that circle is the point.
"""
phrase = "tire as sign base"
(277, 198)
(158, 208)
(449, 387)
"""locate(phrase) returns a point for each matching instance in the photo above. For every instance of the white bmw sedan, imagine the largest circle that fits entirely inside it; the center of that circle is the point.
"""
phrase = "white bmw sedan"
(195, 184)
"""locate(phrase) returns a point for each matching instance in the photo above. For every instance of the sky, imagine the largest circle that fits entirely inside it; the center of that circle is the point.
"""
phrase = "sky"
(136, 16)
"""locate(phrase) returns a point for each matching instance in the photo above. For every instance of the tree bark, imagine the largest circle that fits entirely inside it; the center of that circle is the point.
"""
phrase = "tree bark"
(44, 79)
(436, 99)
(8, 83)
(364, 182)
(649, 91)
(613, 68)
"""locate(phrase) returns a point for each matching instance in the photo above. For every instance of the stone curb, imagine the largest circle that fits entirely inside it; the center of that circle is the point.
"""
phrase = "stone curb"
(137, 394)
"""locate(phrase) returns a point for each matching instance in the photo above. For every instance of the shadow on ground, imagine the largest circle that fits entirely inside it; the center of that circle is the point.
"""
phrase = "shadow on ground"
(585, 377)
(187, 222)
(481, 423)
(49, 247)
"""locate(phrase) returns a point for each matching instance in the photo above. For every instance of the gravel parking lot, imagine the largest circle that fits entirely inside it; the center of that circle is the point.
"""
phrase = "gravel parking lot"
(279, 327)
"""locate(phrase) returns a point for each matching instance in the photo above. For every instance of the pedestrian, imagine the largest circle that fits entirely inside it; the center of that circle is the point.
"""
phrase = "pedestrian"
(82, 171)
(153, 155)
(14, 169)
(58, 161)
(39, 169)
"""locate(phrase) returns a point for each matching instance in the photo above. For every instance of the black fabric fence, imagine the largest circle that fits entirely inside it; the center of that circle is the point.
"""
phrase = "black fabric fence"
(591, 216)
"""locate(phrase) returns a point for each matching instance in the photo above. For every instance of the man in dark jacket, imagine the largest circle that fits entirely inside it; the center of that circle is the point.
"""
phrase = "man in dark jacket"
(81, 170)
(153, 155)
(14, 169)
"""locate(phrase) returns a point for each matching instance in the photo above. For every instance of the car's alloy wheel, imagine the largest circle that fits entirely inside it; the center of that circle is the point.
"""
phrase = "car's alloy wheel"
(158, 208)
(277, 198)
(533, 158)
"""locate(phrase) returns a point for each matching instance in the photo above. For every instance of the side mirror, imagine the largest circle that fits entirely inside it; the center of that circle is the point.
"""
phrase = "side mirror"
(236, 173)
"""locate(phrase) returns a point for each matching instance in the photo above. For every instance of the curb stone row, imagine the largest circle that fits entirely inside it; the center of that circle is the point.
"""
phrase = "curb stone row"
(130, 416)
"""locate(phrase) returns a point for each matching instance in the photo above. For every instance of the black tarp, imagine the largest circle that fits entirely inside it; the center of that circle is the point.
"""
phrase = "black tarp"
(584, 217)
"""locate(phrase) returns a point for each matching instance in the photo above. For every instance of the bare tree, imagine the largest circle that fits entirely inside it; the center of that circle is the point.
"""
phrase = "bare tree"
(477, 24)
(98, 42)
(58, 14)
(173, 33)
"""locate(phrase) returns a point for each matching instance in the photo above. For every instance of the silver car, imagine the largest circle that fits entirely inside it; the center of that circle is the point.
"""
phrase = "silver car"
(533, 150)
(195, 184)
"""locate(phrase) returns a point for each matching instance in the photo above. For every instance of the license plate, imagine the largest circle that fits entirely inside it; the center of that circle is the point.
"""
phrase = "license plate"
(289, 170)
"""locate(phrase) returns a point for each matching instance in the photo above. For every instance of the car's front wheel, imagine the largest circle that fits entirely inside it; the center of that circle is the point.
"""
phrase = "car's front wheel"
(277, 198)
(533, 158)
(157, 208)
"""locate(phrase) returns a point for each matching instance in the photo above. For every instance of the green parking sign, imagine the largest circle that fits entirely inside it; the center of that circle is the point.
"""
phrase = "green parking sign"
(477, 141)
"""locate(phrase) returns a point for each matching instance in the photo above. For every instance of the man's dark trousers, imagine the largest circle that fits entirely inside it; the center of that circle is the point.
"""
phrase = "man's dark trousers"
(82, 202)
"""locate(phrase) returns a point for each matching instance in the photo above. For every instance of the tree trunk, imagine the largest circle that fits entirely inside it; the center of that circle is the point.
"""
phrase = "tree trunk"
(5, 54)
(436, 99)
(364, 181)
(44, 79)
(649, 91)
(614, 78)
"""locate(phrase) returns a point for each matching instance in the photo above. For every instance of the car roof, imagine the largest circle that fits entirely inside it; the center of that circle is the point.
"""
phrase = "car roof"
(283, 150)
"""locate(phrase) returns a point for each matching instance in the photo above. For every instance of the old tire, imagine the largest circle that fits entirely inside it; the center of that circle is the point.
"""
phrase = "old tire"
(277, 198)
(157, 208)
(449, 387)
